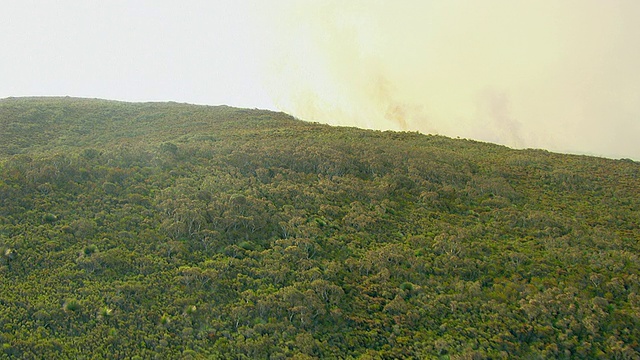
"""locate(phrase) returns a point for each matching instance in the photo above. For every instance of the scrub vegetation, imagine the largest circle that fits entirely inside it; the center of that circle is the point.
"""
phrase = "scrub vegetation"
(165, 230)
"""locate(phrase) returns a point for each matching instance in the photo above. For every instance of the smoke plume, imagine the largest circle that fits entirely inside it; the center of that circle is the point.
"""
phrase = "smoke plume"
(543, 74)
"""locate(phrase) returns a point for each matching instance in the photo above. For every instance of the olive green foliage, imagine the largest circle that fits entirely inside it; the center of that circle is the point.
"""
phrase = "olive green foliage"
(178, 231)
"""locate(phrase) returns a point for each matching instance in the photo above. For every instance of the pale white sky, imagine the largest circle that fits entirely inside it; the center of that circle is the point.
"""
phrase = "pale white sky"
(560, 75)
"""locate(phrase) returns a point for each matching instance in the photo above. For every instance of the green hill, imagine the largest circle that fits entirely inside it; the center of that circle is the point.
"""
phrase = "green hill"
(164, 230)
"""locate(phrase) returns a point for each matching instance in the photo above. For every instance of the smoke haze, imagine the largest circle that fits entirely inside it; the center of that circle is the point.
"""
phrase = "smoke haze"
(544, 74)
(559, 75)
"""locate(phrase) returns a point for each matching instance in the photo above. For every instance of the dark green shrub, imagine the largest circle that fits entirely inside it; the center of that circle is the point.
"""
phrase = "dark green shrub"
(71, 305)
(49, 218)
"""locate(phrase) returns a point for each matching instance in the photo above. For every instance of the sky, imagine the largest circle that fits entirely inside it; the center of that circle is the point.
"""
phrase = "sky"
(557, 75)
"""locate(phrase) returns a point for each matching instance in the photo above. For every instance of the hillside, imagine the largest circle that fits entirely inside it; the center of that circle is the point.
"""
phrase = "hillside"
(164, 230)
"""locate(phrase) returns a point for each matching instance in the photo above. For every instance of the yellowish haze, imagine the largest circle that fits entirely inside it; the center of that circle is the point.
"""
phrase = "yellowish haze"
(561, 75)
(555, 74)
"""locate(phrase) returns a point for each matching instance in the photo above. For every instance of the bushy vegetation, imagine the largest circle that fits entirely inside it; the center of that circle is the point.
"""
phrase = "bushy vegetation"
(134, 231)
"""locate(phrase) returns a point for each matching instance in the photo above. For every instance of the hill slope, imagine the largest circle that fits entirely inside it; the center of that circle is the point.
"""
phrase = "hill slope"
(180, 231)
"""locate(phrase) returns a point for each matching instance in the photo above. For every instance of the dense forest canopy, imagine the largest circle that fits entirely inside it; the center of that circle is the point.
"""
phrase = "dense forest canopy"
(165, 230)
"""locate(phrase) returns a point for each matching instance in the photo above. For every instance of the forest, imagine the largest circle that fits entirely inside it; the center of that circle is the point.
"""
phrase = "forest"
(176, 231)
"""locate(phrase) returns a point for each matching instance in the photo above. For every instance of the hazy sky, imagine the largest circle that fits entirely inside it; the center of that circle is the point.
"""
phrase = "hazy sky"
(561, 75)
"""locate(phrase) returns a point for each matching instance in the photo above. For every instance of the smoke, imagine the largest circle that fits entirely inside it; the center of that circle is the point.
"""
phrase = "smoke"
(495, 113)
(543, 74)
(559, 75)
